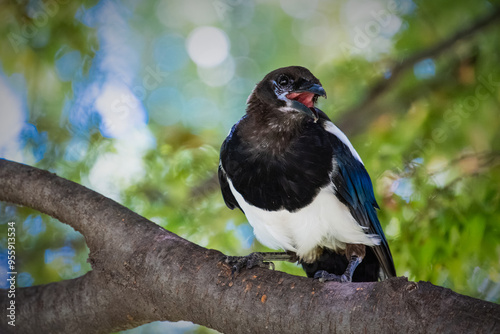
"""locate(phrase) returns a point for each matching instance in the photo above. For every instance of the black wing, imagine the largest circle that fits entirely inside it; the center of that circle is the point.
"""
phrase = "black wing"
(224, 184)
(354, 189)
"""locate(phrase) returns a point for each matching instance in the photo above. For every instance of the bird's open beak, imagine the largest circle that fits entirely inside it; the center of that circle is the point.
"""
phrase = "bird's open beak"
(311, 88)
(306, 95)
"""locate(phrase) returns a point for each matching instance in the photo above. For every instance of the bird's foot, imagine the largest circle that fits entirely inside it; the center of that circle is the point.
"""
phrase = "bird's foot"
(324, 276)
(346, 277)
(257, 259)
(252, 260)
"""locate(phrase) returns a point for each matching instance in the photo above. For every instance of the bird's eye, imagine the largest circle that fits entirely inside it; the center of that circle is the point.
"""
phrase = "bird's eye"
(283, 80)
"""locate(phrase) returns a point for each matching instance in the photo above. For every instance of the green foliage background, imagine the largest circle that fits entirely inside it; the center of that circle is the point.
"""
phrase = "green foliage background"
(430, 141)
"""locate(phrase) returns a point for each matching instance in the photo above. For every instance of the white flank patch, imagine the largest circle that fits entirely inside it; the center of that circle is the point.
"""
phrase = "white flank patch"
(326, 222)
(333, 129)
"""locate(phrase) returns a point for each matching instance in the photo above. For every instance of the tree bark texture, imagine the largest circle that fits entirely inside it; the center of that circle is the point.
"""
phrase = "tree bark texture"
(143, 273)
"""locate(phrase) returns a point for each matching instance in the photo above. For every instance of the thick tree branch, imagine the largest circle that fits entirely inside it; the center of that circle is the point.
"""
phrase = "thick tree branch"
(143, 273)
(350, 121)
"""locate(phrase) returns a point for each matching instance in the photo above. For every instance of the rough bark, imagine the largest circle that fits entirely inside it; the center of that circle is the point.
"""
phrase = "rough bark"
(143, 273)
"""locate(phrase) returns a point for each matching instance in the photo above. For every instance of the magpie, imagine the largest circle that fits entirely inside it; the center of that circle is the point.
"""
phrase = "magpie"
(302, 185)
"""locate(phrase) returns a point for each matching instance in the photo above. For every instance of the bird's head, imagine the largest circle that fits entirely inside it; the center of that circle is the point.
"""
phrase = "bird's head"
(288, 89)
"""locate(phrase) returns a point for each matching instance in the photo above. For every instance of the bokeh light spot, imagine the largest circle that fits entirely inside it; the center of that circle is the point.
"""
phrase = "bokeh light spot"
(208, 46)
(219, 75)
(425, 69)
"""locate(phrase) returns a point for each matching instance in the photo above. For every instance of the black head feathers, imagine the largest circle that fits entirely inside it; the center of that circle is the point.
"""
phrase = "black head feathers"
(292, 88)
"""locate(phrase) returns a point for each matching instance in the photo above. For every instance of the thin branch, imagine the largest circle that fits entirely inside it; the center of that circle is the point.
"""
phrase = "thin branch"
(350, 124)
(483, 161)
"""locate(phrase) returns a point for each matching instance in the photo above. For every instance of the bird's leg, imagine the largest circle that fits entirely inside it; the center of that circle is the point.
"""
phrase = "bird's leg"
(258, 259)
(355, 253)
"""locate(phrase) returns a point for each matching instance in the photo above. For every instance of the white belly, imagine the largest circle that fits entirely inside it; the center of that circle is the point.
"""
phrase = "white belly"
(326, 222)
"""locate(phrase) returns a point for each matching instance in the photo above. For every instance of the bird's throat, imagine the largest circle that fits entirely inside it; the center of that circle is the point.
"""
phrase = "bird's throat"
(305, 98)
